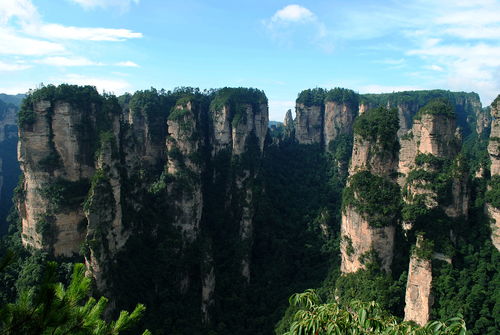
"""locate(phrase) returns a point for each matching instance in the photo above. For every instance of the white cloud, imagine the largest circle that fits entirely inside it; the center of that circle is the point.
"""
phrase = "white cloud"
(458, 40)
(7, 67)
(92, 4)
(297, 22)
(293, 13)
(13, 44)
(23, 32)
(23, 9)
(127, 64)
(68, 61)
(116, 86)
(57, 31)
(434, 67)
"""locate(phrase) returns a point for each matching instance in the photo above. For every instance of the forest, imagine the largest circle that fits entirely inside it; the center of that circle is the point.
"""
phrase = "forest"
(227, 226)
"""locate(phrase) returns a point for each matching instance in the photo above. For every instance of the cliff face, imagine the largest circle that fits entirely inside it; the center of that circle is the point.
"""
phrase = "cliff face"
(324, 123)
(494, 154)
(95, 175)
(309, 123)
(365, 229)
(165, 192)
(435, 185)
(54, 149)
(494, 143)
(239, 130)
(429, 156)
(418, 298)
(359, 239)
(469, 114)
(338, 120)
(183, 148)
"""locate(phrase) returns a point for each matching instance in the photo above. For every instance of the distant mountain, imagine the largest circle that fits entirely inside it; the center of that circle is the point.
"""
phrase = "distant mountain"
(275, 123)
(12, 99)
(9, 166)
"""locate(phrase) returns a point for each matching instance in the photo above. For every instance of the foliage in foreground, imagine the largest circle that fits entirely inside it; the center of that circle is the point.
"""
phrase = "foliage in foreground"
(50, 308)
(316, 318)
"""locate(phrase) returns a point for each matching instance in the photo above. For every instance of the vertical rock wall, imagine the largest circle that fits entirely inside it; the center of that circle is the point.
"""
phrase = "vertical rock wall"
(494, 153)
(184, 142)
(309, 123)
(418, 298)
(53, 148)
(375, 157)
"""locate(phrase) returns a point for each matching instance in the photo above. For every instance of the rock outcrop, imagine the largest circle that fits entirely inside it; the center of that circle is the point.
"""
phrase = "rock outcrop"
(338, 120)
(418, 298)
(429, 160)
(184, 143)
(171, 181)
(309, 123)
(366, 232)
(322, 116)
(494, 141)
(239, 128)
(494, 153)
(55, 156)
(289, 125)
(90, 169)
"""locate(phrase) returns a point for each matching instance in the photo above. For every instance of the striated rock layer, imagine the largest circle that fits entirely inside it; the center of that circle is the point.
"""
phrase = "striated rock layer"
(418, 297)
(53, 147)
(374, 156)
(359, 239)
(94, 171)
(494, 153)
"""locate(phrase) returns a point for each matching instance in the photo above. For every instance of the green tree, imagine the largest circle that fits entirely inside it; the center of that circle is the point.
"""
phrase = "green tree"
(51, 308)
(316, 318)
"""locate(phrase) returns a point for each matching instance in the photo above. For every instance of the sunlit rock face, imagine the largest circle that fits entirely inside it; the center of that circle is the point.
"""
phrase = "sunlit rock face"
(494, 153)
(52, 148)
(418, 298)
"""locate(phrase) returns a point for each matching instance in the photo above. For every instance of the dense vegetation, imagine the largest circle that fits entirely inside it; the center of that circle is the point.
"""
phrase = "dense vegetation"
(379, 126)
(297, 200)
(438, 106)
(52, 308)
(415, 100)
(493, 193)
(356, 317)
(376, 198)
(319, 96)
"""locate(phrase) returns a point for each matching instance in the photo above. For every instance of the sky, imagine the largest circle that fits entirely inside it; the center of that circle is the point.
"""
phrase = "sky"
(281, 47)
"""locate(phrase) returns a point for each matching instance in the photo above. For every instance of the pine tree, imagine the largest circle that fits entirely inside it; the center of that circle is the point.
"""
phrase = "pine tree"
(51, 308)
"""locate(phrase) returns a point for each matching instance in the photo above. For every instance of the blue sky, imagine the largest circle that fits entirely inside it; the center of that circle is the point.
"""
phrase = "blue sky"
(281, 47)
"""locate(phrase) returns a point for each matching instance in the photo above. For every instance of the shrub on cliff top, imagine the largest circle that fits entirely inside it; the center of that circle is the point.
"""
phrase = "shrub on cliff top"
(237, 95)
(312, 97)
(78, 96)
(438, 106)
(376, 198)
(236, 99)
(379, 125)
(343, 96)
